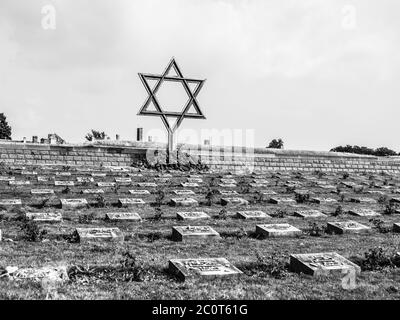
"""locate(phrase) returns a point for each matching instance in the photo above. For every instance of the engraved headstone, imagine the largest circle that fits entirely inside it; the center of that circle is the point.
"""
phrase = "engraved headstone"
(323, 263)
(189, 185)
(123, 180)
(18, 183)
(99, 234)
(139, 192)
(363, 212)
(8, 179)
(92, 191)
(396, 227)
(42, 179)
(73, 203)
(228, 181)
(311, 213)
(123, 216)
(184, 233)
(233, 201)
(64, 183)
(147, 184)
(99, 174)
(277, 230)
(126, 202)
(183, 192)
(57, 274)
(44, 216)
(268, 192)
(363, 200)
(183, 202)
(63, 174)
(29, 173)
(226, 185)
(341, 227)
(252, 215)
(42, 191)
(195, 215)
(207, 267)
(10, 202)
(282, 200)
(322, 200)
(228, 192)
(194, 180)
(106, 184)
(84, 179)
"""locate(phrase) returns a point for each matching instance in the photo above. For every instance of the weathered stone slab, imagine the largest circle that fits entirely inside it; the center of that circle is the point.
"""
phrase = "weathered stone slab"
(99, 174)
(106, 184)
(8, 179)
(252, 215)
(126, 202)
(42, 191)
(139, 192)
(282, 200)
(10, 202)
(99, 234)
(123, 180)
(192, 215)
(147, 184)
(84, 179)
(277, 230)
(233, 201)
(92, 191)
(188, 233)
(226, 185)
(184, 192)
(257, 185)
(194, 180)
(228, 192)
(207, 267)
(396, 227)
(185, 202)
(228, 181)
(74, 203)
(260, 181)
(309, 214)
(28, 173)
(64, 183)
(363, 212)
(49, 217)
(350, 184)
(268, 192)
(42, 179)
(341, 227)
(189, 185)
(376, 192)
(123, 216)
(395, 200)
(363, 200)
(322, 200)
(57, 274)
(161, 180)
(117, 169)
(63, 174)
(18, 183)
(323, 263)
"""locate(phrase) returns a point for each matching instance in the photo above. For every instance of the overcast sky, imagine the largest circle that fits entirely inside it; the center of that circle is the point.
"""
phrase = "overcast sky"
(315, 73)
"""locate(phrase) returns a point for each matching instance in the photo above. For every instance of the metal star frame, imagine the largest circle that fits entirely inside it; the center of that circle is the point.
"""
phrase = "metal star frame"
(192, 101)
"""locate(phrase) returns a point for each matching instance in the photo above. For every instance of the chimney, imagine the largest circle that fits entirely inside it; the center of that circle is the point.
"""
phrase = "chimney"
(117, 137)
(34, 139)
(139, 134)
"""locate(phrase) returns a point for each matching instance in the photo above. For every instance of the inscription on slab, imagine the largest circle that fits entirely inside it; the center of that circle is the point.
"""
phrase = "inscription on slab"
(228, 192)
(183, 233)
(228, 181)
(147, 184)
(106, 184)
(123, 216)
(63, 174)
(363, 200)
(42, 191)
(124, 202)
(99, 174)
(99, 234)
(363, 212)
(282, 200)
(227, 185)
(64, 183)
(233, 201)
(139, 192)
(323, 200)
(123, 180)
(18, 183)
(309, 214)
(347, 227)
(92, 191)
(208, 267)
(316, 264)
(44, 216)
(183, 202)
(183, 192)
(84, 179)
(8, 179)
(10, 202)
(252, 215)
(74, 203)
(194, 180)
(189, 184)
(277, 230)
(192, 215)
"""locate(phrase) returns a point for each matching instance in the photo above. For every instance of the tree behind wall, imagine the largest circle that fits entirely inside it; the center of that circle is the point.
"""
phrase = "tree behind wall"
(96, 135)
(276, 144)
(5, 129)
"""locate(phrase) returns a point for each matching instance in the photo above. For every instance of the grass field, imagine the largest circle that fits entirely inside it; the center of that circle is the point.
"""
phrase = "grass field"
(138, 267)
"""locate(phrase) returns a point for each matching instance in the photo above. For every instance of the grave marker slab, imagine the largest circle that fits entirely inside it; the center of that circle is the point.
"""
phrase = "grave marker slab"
(396, 227)
(63, 174)
(42, 191)
(228, 192)
(183, 192)
(29, 173)
(106, 184)
(395, 200)
(189, 184)
(123, 180)
(99, 234)
(194, 180)
(188, 233)
(18, 183)
(323, 263)
(252, 215)
(42, 179)
(123, 216)
(268, 192)
(207, 267)
(99, 174)
(341, 227)
(228, 181)
(8, 179)
(363, 200)
(126, 202)
(55, 274)
(10, 202)
(282, 200)
(309, 214)
(74, 203)
(139, 192)
(49, 217)
(147, 184)
(233, 201)
(192, 215)
(277, 230)
(363, 212)
(64, 183)
(321, 200)
(225, 185)
(117, 169)
(185, 202)
(92, 191)
(84, 179)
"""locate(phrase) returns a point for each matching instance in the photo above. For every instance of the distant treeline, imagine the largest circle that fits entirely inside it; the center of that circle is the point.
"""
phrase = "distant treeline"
(380, 152)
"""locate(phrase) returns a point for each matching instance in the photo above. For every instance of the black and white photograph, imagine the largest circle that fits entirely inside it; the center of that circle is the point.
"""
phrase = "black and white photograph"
(223, 152)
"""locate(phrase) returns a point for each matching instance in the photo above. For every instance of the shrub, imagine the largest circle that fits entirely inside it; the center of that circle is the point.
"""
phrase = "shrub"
(276, 144)
(32, 232)
(86, 218)
(96, 135)
(5, 129)
(302, 197)
(380, 152)
(133, 270)
(274, 265)
(160, 195)
(210, 196)
(338, 211)
(158, 214)
(380, 225)
(377, 259)
(315, 230)
(222, 215)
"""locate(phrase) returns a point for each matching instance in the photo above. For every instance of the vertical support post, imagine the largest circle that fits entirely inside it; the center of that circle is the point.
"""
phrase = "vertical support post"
(170, 145)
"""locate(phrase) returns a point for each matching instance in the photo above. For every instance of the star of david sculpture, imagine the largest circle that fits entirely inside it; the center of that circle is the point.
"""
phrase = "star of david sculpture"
(160, 110)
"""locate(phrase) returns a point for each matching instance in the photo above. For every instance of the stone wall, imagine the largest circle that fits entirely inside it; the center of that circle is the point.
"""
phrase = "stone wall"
(217, 158)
